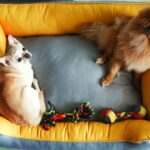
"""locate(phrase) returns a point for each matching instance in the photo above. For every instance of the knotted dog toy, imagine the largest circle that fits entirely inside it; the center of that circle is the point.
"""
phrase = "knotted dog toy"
(137, 112)
(83, 113)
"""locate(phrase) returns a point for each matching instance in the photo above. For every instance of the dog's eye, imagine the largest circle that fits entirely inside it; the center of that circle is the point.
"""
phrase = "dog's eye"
(19, 59)
(23, 48)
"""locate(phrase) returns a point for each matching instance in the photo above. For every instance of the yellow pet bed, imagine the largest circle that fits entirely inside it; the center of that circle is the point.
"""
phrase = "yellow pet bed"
(63, 18)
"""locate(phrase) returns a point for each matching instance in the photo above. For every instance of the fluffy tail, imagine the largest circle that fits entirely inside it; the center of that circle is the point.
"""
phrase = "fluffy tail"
(91, 31)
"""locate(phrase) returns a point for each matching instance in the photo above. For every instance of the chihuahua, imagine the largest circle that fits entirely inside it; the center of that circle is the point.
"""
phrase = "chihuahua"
(19, 101)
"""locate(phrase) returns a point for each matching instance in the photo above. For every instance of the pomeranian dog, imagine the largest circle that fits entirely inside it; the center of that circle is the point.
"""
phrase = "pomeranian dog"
(19, 101)
(131, 48)
(104, 35)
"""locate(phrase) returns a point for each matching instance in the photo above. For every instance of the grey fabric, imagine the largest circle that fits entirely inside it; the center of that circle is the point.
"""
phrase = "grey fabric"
(66, 69)
(25, 144)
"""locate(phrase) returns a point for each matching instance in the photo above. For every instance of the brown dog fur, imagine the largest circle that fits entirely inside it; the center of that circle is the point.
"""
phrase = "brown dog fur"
(104, 35)
(131, 48)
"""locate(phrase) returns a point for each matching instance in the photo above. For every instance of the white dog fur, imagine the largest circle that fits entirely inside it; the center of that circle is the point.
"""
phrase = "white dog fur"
(19, 101)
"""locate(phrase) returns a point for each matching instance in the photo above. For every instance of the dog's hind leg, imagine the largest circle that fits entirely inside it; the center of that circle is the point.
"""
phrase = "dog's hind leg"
(36, 84)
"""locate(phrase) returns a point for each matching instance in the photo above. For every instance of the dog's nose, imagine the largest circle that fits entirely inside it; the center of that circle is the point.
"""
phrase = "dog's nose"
(27, 55)
(147, 29)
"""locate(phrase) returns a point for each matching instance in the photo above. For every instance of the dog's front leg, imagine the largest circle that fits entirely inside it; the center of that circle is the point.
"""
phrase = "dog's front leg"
(41, 95)
(114, 68)
(104, 57)
(36, 84)
(42, 102)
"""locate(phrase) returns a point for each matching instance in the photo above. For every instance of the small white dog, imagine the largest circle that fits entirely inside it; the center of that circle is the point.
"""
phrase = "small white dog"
(19, 102)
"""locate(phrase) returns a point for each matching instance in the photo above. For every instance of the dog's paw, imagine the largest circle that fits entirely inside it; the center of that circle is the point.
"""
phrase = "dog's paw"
(105, 82)
(100, 60)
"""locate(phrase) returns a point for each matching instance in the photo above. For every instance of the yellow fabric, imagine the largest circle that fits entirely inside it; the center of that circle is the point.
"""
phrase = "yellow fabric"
(129, 130)
(61, 18)
(2, 41)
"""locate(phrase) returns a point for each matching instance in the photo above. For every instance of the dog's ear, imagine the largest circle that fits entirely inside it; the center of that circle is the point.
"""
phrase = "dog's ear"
(4, 61)
(12, 40)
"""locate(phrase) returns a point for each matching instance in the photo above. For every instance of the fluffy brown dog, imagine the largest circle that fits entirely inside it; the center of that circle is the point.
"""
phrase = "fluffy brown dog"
(131, 48)
(104, 35)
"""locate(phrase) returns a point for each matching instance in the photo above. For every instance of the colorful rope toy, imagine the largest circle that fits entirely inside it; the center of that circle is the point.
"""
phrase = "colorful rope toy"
(137, 112)
(83, 113)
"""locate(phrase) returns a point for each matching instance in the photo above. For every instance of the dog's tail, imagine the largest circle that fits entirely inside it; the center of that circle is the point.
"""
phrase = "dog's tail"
(91, 31)
(94, 31)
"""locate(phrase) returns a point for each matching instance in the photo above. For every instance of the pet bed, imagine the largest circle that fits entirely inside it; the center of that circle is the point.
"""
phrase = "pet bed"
(66, 69)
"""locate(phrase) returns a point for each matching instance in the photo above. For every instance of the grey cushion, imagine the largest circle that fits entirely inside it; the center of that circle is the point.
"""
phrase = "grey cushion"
(66, 69)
